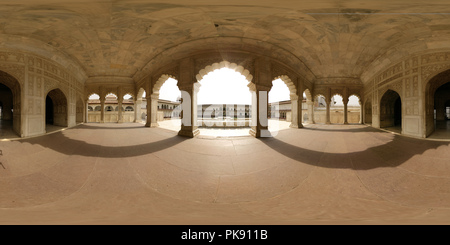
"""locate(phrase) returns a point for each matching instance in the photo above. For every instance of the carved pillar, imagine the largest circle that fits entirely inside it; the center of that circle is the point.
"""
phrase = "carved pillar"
(86, 112)
(361, 113)
(102, 113)
(137, 110)
(120, 111)
(296, 109)
(310, 104)
(328, 101)
(345, 100)
(189, 125)
(259, 113)
(152, 110)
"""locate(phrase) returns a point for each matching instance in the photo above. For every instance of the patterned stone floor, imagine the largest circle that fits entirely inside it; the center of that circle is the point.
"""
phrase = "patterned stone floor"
(129, 174)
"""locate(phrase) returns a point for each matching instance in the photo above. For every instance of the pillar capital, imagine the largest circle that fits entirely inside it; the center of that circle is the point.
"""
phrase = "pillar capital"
(258, 87)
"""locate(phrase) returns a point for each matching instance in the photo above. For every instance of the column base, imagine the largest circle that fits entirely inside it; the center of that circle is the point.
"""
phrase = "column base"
(189, 133)
(260, 133)
(293, 125)
(345, 122)
(151, 125)
(328, 123)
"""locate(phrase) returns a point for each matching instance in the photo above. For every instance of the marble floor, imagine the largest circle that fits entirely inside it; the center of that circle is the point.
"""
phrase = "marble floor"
(129, 174)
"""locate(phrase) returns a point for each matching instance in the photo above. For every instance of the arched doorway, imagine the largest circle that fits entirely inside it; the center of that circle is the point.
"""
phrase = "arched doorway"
(55, 110)
(337, 109)
(354, 110)
(224, 103)
(163, 106)
(282, 105)
(308, 107)
(10, 91)
(319, 109)
(441, 101)
(391, 111)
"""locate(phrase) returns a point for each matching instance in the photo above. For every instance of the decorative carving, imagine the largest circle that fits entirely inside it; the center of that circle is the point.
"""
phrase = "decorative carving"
(38, 107)
(18, 71)
(30, 86)
(435, 57)
(390, 79)
(408, 87)
(30, 106)
(427, 71)
(415, 86)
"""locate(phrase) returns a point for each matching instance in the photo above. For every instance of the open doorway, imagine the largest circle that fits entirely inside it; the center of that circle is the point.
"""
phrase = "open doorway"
(224, 104)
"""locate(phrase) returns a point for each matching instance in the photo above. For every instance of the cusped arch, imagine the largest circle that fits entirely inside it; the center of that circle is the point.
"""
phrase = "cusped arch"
(140, 93)
(92, 93)
(162, 79)
(109, 92)
(308, 94)
(356, 95)
(291, 86)
(224, 64)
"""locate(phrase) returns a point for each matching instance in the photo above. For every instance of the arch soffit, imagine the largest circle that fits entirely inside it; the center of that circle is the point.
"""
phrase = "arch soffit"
(10, 81)
(61, 95)
(385, 91)
(308, 94)
(140, 93)
(440, 78)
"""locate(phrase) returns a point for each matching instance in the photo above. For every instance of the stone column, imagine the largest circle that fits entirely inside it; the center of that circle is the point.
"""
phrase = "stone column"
(86, 114)
(327, 119)
(296, 110)
(120, 111)
(189, 127)
(345, 100)
(137, 110)
(152, 110)
(102, 115)
(310, 104)
(361, 113)
(260, 105)
(328, 101)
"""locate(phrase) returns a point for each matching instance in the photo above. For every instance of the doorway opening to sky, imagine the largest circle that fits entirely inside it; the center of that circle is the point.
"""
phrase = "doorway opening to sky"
(224, 104)
(168, 105)
(280, 113)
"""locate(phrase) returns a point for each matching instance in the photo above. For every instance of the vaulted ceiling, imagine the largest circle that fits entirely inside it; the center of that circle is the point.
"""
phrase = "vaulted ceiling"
(332, 38)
